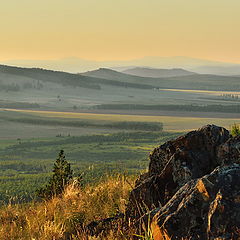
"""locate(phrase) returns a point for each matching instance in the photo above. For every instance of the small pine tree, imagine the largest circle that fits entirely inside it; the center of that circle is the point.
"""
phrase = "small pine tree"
(62, 175)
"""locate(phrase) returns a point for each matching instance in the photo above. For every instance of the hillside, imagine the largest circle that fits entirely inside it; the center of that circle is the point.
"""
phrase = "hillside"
(110, 74)
(157, 73)
(190, 81)
(27, 74)
(54, 90)
(63, 78)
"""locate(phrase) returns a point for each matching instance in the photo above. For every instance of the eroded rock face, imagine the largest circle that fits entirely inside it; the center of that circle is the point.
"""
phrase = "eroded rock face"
(204, 208)
(175, 163)
(229, 152)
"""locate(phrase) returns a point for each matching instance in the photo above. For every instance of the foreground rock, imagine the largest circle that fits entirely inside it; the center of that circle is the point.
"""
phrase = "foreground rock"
(175, 163)
(192, 188)
(191, 191)
(229, 152)
(205, 208)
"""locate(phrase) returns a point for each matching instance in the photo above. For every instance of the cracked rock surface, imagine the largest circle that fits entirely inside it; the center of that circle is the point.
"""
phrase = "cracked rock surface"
(192, 187)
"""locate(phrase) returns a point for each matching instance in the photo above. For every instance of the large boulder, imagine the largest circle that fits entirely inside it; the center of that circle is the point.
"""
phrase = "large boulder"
(204, 208)
(175, 163)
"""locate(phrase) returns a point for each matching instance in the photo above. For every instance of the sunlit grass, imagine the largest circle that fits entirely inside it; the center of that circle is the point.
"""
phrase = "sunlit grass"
(66, 217)
(170, 123)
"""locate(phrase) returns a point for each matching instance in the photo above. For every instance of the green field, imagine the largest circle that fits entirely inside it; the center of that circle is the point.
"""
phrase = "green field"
(26, 164)
(96, 144)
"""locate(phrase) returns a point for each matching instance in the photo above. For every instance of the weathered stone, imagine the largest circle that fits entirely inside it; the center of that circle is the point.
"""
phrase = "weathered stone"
(191, 191)
(204, 208)
(175, 163)
(196, 145)
(229, 152)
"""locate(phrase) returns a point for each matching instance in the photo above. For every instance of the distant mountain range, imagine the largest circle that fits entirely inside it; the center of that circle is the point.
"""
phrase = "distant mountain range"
(76, 65)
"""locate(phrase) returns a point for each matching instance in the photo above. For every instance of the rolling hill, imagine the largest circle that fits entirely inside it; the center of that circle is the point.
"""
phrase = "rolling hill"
(193, 81)
(157, 73)
(63, 78)
(55, 90)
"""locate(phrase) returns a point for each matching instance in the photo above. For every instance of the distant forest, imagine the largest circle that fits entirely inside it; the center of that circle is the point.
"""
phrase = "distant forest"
(190, 108)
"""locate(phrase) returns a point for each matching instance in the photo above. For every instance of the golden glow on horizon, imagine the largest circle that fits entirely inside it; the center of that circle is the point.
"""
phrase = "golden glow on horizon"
(120, 30)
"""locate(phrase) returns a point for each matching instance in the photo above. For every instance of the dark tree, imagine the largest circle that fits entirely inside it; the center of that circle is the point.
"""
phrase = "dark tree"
(62, 175)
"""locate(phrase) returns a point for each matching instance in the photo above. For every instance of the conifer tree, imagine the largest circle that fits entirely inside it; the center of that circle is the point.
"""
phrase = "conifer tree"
(62, 175)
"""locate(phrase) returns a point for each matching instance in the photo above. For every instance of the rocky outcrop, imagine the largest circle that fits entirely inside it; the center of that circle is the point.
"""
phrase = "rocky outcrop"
(175, 163)
(192, 188)
(205, 208)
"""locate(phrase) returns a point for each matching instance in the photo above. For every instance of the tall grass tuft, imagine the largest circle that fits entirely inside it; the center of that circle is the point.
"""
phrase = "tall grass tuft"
(65, 217)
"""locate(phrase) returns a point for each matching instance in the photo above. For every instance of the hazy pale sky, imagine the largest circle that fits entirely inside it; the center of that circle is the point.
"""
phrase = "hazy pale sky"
(119, 29)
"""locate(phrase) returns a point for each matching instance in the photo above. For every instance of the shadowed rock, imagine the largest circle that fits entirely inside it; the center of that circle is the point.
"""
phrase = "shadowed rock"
(229, 152)
(175, 163)
(192, 189)
(205, 208)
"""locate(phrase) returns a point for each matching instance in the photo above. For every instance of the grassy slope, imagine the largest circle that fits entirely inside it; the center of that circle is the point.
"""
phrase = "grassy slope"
(65, 217)
(197, 81)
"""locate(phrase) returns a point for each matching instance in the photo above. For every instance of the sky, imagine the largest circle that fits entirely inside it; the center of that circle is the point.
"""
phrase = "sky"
(104, 30)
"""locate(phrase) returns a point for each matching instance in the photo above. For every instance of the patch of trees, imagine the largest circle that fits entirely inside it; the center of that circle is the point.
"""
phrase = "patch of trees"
(115, 137)
(124, 84)
(13, 87)
(69, 79)
(20, 105)
(52, 76)
(137, 126)
(189, 108)
(34, 85)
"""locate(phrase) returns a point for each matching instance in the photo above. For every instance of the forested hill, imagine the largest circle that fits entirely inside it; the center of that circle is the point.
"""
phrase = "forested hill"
(65, 78)
(49, 76)
(98, 78)
(157, 72)
(194, 81)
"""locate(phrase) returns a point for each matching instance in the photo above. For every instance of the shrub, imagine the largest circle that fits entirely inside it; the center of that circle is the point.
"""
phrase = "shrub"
(235, 130)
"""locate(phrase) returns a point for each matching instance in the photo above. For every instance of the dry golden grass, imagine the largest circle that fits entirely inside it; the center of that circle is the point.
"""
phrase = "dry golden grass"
(64, 217)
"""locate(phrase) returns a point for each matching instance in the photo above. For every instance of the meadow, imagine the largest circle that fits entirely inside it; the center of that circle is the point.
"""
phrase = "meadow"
(172, 122)
(105, 147)
(95, 145)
